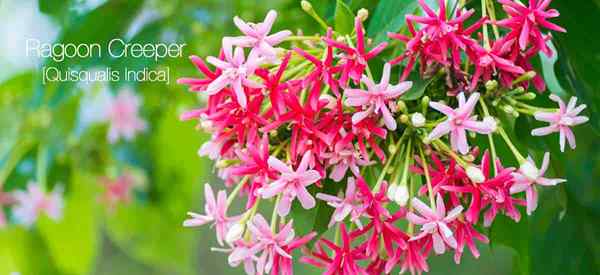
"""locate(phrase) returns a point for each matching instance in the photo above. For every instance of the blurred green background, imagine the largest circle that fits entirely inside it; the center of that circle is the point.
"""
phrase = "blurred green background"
(145, 236)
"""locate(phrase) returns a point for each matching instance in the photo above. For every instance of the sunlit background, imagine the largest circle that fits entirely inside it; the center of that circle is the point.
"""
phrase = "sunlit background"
(58, 130)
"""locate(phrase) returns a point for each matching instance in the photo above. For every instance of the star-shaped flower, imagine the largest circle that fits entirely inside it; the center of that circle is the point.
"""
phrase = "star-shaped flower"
(459, 121)
(561, 121)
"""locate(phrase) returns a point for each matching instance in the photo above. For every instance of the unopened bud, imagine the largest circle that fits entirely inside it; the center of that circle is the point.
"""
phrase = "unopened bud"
(491, 85)
(401, 195)
(490, 121)
(331, 103)
(391, 191)
(363, 14)
(528, 96)
(306, 6)
(529, 170)
(475, 174)
(425, 103)
(417, 120)
(401, 106)
(404, 119)
(235, 233)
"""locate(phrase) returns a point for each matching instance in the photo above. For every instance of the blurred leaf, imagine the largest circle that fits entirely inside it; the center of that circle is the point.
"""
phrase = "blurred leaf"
(344, 18)
(54, 8)
(389, 16)
(24, 252)
(514, 235)
(579, 54)
(73, 241)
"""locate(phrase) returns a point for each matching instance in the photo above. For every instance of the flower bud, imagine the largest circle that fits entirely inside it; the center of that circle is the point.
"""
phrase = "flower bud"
(401, 195)
(306, 6)
(234, 233)
(491, 85)
(404, 119)
(363, 14)
(529, 170)
(417, 120)
(391, 191)
(475, 174)
(401, 106)
(491, 122)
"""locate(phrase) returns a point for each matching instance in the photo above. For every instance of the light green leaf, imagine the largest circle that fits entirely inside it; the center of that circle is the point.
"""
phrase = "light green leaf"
(73, 241)
(343, 18)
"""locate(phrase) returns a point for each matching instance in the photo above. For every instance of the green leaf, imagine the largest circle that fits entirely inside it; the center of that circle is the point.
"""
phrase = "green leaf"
(418, 88)
(389, 16)
(24, 252)
(344, 18)
(516, 236)
(73, 241)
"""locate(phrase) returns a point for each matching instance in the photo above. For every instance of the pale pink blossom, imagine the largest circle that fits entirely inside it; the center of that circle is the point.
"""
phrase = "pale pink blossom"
(269, 242)
(243, 252)
(350, 204)
(459, 121)
(123, 116)
(215, 213)
(256, 36)
(561, 121)
(376, 98)
(528, 177)
(33, 202)
(434, 222)
(236, 72)
(291, 184)
(343, 157)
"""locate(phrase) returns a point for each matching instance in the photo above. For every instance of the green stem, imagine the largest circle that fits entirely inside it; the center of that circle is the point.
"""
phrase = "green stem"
(237, 190)
(302, 38)
(388, 163)
(42, 166)
(427, 178)
(486, 38)
(512, 147)
(490, 137)
(274, 215)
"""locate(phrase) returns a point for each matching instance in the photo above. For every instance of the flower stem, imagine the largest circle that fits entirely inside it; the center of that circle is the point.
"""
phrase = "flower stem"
(237, 190)
(492, 12)
(274, 215)
(427, 178)
(42, 166)
(388, 163)
(490, 137)
(512, 147)
(302, 38)
(486, 38)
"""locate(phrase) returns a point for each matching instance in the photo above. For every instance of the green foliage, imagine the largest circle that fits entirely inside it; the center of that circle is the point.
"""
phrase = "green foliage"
(344, 18)
(389, 17)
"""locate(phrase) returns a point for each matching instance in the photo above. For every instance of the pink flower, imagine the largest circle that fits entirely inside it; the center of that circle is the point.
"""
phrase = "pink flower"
(354, 59)
(118, 190)
(561, 121)
(256, 35)
(350, 204)
(525, 22)
(528, 177)
(344, 157)
(466, 235)
(291, 184)
(215, 212)
(269, 242)
(412, 258)
(243, 252)
(123, 115)
(345, 258)
(434, 223)
(375, 99)
(459, 120)
(32, 203)
(488, 62)
(236, 72)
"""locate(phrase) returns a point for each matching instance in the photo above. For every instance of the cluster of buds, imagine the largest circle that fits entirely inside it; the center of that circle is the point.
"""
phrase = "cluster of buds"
(291, 124)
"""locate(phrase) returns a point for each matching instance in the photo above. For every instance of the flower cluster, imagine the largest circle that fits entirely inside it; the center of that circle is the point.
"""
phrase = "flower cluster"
(309, 124)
